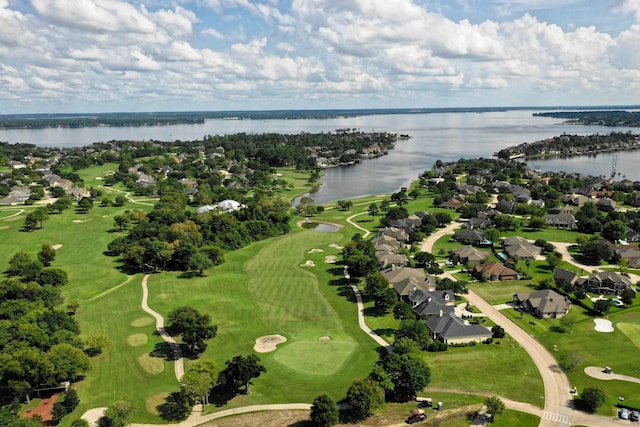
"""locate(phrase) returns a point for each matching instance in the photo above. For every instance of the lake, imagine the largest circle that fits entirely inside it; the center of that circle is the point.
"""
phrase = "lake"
(435, 136)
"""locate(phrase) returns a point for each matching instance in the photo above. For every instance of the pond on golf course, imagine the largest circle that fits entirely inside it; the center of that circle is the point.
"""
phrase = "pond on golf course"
(320, 226)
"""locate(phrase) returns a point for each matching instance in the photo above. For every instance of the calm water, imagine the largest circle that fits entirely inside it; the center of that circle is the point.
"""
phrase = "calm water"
(444, 136)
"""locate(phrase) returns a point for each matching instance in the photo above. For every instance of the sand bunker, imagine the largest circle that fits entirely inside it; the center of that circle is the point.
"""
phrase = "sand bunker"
(80, 220)
(268, 343)
(92, 415)
(330, 259)
(308, 264)
(325, 338)
(603, 325)
(56, 247)
(335, 245)
(315, 251)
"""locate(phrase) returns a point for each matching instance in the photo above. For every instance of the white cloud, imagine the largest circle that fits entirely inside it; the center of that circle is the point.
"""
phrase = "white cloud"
(95, 15)
(627, 6)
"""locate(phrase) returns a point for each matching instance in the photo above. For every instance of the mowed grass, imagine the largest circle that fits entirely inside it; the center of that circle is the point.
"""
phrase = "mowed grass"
(267, 289)
(617, 349)
(504, 369)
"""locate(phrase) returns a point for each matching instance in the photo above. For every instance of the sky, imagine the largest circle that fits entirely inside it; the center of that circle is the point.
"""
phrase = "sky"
(81, 56)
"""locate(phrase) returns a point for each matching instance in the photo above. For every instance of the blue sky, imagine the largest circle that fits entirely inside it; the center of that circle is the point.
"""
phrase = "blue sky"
(180, 55)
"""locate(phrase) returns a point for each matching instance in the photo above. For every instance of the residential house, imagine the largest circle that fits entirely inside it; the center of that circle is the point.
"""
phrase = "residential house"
(427, 304)
(451, 329)
(516, 246)
(606, 283)
(565, 278)
(474, 237)
(493, 271)
(606, 204)
(543, 304)
(406, 279)
(560, 220)
(454, 202)
(632, 235)
(477, 223)
(470, 255)
(397, 233)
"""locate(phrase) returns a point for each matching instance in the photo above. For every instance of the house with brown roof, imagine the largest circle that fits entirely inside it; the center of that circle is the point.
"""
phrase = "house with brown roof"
(494, 271)
(543, 304)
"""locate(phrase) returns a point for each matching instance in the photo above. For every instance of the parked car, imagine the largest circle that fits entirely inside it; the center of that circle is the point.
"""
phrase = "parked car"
(624, 414)
(416, 416)
(635, 415)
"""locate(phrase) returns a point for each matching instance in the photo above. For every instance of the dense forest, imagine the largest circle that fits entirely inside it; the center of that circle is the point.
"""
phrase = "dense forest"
(600, 118)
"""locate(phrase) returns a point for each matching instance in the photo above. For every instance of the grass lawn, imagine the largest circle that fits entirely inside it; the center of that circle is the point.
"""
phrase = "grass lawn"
(501, 292)
(616, 349)
(510, 418)
(503, 368)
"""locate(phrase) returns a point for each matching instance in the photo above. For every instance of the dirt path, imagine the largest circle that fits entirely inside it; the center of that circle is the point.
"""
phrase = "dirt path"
(177, 354)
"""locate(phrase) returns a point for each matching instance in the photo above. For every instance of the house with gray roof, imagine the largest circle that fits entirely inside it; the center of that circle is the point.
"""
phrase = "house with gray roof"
(561, 220)
(565, 278)
(434, 303)
(451, 329)
(474, 237)
(606, 283)
(543, 304)
(406, 279)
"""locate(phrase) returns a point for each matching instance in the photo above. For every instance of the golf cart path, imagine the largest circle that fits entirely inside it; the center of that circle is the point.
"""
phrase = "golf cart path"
(598, 373)
(177, 354)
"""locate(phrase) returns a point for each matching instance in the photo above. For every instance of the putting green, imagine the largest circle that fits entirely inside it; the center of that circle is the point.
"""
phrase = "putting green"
(314, 357)
(632, 331)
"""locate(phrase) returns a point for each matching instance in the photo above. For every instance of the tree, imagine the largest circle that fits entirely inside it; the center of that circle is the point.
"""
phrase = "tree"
(41, 215)
(614, 230)
(602, 306)
(30, 221)
(80, 423)
(68, 361)
(628, 296)
(194, 327)
(373, 210)
(324, 412)
(415, 330)
(497, 332)
(596, 252)
(85, 204)
(241, 370)
(537, 223)
(592, 398)
(73, 306)
(408, 374)
(553, 260)
(375, 284)
(569, 361)
(18, 263)
(118, 414)
(53, 277)
(46, 254)
(364, 396)
(199, 262)
(199, 379)
(122, 221)
(494, 405)
(96, 343)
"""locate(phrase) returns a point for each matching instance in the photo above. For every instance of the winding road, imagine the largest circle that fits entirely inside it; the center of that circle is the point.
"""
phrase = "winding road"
(177, 354)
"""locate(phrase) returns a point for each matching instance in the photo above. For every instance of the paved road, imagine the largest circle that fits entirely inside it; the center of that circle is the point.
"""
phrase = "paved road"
(598, 373)
(427, 244)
